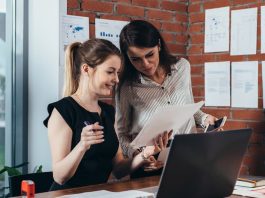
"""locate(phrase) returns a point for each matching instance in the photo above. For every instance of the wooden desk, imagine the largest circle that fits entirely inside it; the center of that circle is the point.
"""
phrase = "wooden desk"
(115, 187)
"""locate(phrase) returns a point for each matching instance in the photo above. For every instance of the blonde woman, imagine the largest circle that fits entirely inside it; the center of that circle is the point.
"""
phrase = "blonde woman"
(83, 142)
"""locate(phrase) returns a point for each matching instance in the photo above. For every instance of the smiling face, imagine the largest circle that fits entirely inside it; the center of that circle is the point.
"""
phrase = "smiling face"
(105, 76)
(145, 60)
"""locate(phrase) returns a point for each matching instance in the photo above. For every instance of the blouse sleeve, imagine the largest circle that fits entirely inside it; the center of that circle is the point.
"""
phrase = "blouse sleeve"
(64, 109)
(123, 120)
(199, 115)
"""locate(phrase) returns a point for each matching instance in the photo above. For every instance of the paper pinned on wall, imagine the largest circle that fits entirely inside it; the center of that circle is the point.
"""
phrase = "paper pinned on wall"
(262, 29)
(245, 84)
(244, 31)
(263, 83)
(217, 83)
(73, 28)
(109, 30)
(216, 30)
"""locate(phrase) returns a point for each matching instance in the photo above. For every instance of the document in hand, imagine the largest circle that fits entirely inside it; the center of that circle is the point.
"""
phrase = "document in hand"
(165, 119)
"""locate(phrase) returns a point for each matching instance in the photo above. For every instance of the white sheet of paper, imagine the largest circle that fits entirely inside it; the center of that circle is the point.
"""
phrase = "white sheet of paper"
(244, 31)
(245, 84)
(165, 119)
(109, 30)
(263, 83)
(262, 25)
(248, 193)
(163, 155)
(108, 194)
(217, 83)
(73, 28)
(216, 30)
(99, 193)
(133, 194)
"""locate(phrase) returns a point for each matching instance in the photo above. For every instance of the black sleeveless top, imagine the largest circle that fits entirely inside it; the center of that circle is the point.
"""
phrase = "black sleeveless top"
(96, 165)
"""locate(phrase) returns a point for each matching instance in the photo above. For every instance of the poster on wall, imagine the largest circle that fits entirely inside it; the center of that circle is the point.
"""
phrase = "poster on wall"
(109, 30)
(244, 31)
(245, 84)
(73, 28)
(216, 30)
(262, 29)
(217, 83)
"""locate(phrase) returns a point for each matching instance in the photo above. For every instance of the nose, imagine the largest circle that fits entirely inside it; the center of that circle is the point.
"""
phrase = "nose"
(145, 62)
(116, 79)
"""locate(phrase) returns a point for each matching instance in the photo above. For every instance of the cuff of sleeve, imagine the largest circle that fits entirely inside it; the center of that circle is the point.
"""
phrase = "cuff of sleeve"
(203, 119)
(131, 151)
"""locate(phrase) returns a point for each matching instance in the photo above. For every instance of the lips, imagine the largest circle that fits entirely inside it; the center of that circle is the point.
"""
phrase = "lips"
(149, 69)
(110, 86)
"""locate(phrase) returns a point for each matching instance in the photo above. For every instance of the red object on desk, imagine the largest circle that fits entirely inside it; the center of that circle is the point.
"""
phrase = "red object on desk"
(28, 188)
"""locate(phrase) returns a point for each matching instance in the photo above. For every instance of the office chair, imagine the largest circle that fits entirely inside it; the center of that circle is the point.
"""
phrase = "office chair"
(43, 182)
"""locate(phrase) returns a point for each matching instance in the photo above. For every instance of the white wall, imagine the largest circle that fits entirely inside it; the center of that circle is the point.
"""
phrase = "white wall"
(43, 74)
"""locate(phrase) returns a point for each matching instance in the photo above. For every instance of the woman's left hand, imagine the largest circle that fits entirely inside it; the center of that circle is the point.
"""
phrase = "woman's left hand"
(209, 120)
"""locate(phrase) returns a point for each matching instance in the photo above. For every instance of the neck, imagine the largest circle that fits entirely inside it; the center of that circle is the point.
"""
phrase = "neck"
(159, 75)
(87, 101)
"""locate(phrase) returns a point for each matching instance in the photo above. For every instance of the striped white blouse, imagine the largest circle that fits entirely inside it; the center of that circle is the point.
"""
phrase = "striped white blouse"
(139, 101)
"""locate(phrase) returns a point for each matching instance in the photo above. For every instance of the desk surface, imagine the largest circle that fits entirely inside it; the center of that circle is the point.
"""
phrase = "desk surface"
(115, 187)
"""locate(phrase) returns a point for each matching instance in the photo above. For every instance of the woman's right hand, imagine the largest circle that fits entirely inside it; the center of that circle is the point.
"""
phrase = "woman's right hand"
(91, 134)
(160, 143)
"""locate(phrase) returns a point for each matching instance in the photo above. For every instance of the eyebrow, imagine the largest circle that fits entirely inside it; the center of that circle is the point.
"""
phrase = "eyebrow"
(144, 55)
(113, 68)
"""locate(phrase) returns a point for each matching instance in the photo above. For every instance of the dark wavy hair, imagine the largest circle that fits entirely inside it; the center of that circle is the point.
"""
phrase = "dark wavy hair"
(142, 34)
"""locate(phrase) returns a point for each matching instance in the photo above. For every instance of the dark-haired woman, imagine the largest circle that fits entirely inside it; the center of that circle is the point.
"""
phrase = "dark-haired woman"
(84, 145)
(151, 77)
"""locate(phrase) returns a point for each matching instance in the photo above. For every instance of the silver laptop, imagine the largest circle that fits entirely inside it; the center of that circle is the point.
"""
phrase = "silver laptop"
(203, 165)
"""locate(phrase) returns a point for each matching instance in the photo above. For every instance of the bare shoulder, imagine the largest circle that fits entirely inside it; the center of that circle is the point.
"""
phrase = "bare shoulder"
(57, 123)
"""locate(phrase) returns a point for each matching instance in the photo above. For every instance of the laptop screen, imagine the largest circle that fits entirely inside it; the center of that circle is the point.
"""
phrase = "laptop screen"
(203, 164)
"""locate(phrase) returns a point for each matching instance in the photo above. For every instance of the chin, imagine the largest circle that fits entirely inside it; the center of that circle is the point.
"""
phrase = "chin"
(106, 93)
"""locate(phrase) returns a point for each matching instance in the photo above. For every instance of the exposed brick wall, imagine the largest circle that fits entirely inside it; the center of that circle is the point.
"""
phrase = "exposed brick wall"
(181, 23)
(237, 117)
(170, 17)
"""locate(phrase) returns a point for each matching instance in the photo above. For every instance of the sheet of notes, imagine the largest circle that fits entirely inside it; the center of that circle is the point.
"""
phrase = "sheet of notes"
(217, 83)
(245, 84)
(217, 30)
(244, 31)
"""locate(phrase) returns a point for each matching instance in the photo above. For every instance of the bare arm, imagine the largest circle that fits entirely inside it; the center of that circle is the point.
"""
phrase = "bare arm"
(64, 160)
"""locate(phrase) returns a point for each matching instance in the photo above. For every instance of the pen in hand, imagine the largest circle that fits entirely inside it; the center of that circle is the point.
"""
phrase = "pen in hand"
(86, 123)
(91, 134)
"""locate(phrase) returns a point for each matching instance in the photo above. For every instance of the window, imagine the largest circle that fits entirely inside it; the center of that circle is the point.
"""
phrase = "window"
(2, 88)
(13, 84)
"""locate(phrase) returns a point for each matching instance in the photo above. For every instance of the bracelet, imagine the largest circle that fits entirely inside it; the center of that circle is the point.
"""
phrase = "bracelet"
(140, 149)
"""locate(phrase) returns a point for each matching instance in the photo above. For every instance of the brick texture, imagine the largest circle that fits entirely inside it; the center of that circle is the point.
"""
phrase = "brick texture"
(181, 23)
(237, 117)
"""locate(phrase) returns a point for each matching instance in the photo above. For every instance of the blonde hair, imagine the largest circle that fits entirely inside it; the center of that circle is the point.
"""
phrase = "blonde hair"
(93, 52)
